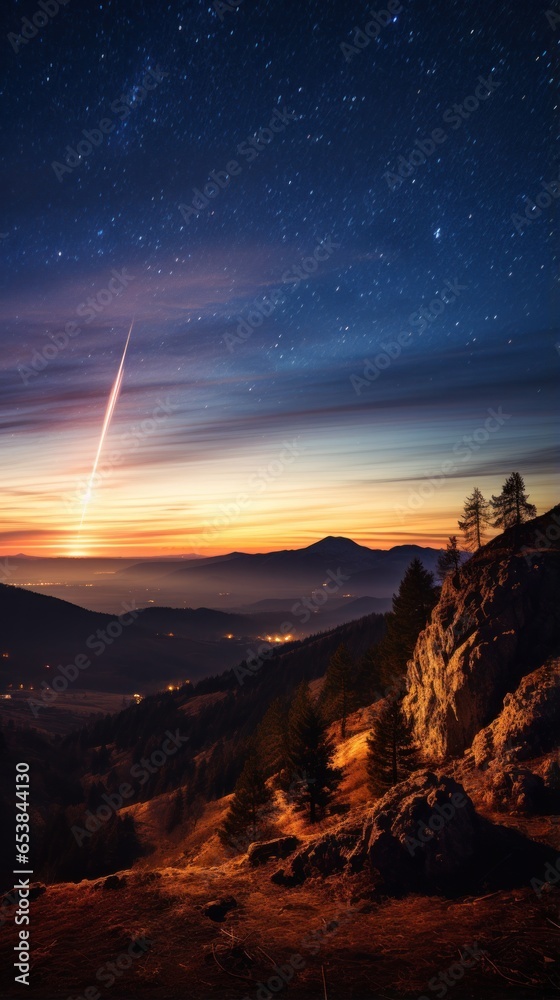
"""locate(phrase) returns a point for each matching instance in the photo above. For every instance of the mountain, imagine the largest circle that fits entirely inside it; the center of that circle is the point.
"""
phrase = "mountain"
(239, 577)
(227, 582)
(38, 633)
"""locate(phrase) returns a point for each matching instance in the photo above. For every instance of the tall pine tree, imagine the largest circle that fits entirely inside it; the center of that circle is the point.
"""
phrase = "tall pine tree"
(475, 519)
(512, 508)
(412, 606)
(271, 738)
(248, 806)
(450, 560)
(310, 753)
(339, 696)
(392, 754)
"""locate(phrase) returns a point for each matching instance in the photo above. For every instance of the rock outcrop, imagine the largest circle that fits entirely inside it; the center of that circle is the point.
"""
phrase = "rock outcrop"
(518, 790)
(497, 620)
(529, 723)
(423, 836)
(262, 851)
(218, 909)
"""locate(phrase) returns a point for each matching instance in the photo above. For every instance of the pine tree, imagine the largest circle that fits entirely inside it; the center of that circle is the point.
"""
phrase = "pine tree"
(271, 737)
(310, 754)
(339, 693)
(475, 519)
(176, 811)
(369, 677)
(250, 800)
(512, 508)
(392, 754)
(450, 560)
(412, 606)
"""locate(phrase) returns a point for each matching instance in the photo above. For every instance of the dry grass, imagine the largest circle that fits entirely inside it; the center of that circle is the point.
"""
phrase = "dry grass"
(385, 949)
(391, 948)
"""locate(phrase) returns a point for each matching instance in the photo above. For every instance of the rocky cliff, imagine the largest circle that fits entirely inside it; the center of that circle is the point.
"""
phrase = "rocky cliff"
(497, 620)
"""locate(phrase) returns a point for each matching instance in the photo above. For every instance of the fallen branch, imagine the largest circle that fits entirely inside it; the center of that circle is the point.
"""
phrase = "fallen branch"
(246, 979)
(324, 982)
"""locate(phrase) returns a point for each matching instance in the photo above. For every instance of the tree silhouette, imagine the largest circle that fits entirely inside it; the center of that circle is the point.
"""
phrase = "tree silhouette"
(450, 560)
(412, 606)
(338, 696)
(511, 508)
(310, 753)
(392, 754)
(175, 816)
(475, 519)
(271, 737)
(250, 800)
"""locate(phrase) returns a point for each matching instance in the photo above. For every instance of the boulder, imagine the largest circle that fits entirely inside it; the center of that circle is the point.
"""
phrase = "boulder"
(517, 790)
(262, 851)
(114, 882)
(323, 857)
(284, 878)
(217, 909)
(496, 621)
(529, 723)
(422, 835)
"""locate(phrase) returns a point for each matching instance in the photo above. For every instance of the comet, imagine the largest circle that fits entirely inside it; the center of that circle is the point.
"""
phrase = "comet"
(111, 406)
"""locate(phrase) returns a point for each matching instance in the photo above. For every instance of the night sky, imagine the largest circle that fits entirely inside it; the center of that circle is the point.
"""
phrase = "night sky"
(210, 470)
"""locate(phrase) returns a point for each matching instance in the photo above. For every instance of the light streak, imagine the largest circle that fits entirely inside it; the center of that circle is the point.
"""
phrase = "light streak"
(113, 399)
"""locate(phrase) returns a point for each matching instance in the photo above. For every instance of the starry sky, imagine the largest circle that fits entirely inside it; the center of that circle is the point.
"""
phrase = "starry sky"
(272, 433)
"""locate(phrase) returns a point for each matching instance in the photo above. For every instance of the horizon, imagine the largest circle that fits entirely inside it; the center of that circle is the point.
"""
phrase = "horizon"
(192, 555)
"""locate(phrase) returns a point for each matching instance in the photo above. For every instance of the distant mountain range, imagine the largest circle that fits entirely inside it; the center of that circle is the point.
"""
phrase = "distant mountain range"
(235, 581)
(245, 577)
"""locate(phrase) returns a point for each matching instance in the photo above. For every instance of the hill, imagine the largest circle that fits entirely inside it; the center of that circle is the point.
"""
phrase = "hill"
(447, 864)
